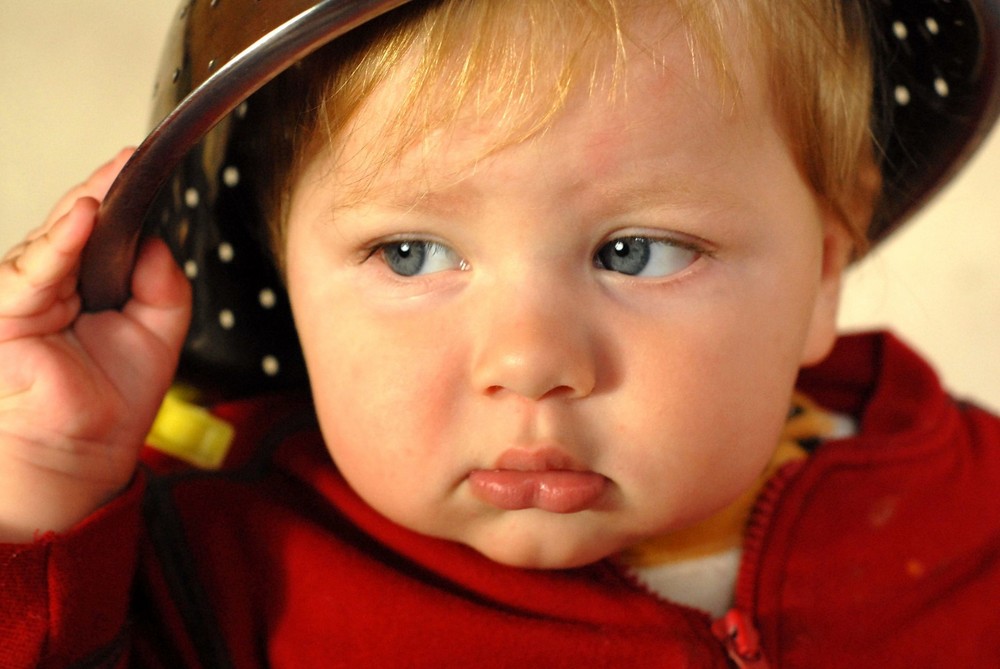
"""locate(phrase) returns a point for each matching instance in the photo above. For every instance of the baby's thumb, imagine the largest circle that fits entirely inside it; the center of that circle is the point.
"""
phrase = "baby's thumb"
(161, 295)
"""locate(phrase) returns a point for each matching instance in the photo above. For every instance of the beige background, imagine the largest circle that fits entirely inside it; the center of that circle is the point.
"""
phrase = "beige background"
(75, 82)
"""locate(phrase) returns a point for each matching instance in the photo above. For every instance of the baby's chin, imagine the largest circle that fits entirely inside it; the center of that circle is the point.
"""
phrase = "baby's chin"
(553, 550)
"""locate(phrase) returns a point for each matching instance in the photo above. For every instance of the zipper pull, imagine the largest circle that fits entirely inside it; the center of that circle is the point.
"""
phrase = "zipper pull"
(737, 633)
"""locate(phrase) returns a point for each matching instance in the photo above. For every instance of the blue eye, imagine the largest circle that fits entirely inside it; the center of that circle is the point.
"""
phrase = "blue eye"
(413, 257)
(644, 257)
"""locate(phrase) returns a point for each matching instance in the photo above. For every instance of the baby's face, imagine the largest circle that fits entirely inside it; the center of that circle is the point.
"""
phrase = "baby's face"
(572, 343)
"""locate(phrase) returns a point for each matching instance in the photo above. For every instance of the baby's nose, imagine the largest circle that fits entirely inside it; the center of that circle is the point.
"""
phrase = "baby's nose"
(536, 346)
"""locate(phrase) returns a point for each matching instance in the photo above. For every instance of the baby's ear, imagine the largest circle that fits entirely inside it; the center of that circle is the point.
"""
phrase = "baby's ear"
(858, 206)
(838, 249)
(840, 246)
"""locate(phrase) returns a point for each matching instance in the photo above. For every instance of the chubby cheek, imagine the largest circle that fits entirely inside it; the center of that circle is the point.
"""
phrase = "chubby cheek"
(696, 454)
(385, 397)
(709, 396)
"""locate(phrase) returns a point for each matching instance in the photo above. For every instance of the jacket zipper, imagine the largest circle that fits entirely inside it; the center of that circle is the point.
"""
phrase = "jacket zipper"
(736, 629)
(741, 640)
(758, 524)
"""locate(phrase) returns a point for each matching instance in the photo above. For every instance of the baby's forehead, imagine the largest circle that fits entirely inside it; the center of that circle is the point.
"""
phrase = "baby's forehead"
(412, 116)
(672, 149)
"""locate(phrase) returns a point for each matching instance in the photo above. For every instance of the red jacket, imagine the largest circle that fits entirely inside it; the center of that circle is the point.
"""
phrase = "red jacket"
(881, 550)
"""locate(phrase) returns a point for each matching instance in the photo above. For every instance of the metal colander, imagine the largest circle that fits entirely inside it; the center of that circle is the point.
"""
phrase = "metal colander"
(936, 98)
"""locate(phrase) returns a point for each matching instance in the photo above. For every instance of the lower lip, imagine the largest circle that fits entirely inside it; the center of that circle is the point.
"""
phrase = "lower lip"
(557, 491)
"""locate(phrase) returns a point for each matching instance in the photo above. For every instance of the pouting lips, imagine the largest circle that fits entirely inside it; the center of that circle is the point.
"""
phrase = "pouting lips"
(555, 490)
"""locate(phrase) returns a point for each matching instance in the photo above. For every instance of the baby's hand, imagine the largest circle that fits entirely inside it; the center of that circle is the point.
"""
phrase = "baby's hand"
(78, 391)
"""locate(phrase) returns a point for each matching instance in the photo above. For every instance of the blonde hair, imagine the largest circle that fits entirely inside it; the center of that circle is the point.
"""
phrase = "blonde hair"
(518, 61)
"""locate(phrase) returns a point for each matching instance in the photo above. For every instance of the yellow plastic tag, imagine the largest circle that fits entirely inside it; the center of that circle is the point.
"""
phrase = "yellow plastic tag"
(189, 432)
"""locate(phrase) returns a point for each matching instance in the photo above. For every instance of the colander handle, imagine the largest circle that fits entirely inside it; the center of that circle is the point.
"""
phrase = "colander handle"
(110, 254)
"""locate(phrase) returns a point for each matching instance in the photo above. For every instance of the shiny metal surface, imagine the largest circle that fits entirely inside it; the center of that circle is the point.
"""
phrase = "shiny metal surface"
(224, 52)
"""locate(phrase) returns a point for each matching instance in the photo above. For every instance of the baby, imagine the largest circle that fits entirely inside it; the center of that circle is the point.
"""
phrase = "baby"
(565, 278)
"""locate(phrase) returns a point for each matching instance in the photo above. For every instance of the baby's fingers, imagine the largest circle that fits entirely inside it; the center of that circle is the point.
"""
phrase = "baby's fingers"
(48, 256)
(139, 347)
(96, 186)
(161, 295)
(38, 277)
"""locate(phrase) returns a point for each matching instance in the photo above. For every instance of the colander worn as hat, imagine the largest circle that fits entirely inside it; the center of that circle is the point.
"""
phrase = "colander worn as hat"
(936, 97)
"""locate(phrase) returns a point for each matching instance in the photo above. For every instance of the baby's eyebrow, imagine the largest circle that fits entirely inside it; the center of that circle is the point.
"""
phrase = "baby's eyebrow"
(447, 201)
(663, 188)
(444, 201)
(405, 197)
